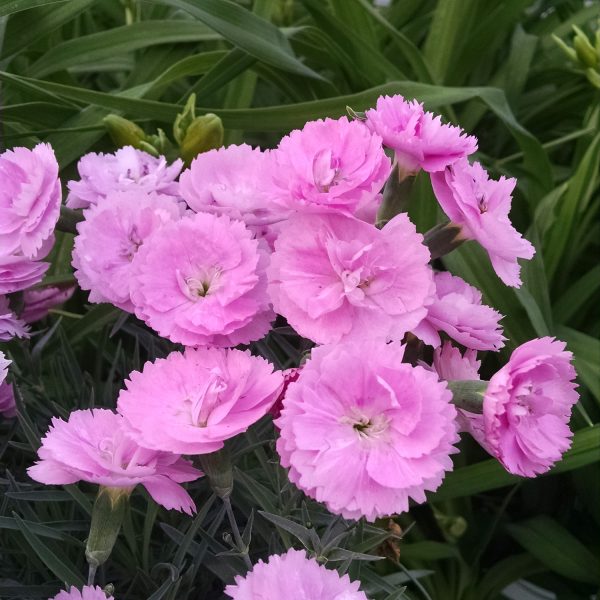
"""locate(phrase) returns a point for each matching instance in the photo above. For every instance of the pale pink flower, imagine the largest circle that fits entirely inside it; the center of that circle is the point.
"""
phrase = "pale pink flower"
(334, 277)
(235, 181)
(363, 432)
(331, 164)
(110, 237)
(480, 206)
(93, 446)
(30, 197)
(19, 272)
(419, 139)
(450, 364)
(8, 407)
(126, 169)
(527, 407)
(38, 301)
(207, 395)
(202, 281)
(293, 576)
(10, 325)
(87, 593)
(457, 310)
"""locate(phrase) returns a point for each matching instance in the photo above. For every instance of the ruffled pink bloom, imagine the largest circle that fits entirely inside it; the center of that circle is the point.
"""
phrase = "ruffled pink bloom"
(10, 325)
(235, 181)
(331, 164)
(19, 272)
(202, 281)
(37, 302)
(334, 277)
(87, 593)
(93, 446)
(8, 407)
(207, 395)
(451, 365)
(527, 407)
(126, 169)
(293, 575)
(110, 237)
(30, 199)
(363, 432)
(419, 139)
(480, 206)
(457, 310)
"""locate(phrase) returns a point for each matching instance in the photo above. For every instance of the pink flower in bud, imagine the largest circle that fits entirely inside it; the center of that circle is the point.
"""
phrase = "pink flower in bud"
(451, 365)
(30, 199)
(87, 592)
(94, 446)
(334, 277)
(457, 310)
(10, 325)
(127, 169)
(294, 576)
(202, 281)
(330, 164)
(38, 301)
(419, 139)
(480, 206)
(110, 237)
(207, 395)
(235, 181)
(364, 432)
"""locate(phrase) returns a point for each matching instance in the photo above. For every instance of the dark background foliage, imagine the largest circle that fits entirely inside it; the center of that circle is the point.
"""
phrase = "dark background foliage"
(266, 67)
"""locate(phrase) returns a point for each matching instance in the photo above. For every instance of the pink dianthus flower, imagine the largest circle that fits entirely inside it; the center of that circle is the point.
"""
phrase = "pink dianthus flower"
(94, 446)
(480, 206)
(331, 164)
(126, 169)
(19, 272)
(363, 432)
(10, 325)
(334, 277)
(457, 310)
(207, 395)
(30, 199)
(293, 576)
(235, 181)
(202, 281)
(110, 237)
(87, 592)
(419, 139)
(527, 407)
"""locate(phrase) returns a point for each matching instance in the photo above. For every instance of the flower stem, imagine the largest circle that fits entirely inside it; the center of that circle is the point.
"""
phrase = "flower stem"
(442, 239)
(236, 532)
(468, 394)
(92, 573)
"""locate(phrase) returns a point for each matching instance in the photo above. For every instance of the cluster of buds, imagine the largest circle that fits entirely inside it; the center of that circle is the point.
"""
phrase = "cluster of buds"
(584, 54)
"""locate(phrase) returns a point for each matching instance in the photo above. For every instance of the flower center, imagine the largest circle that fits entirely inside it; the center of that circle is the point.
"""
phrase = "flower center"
(131, 245)
(482, 204)
(326, 170)
(207, 398)
(200, 284)
(367, 428)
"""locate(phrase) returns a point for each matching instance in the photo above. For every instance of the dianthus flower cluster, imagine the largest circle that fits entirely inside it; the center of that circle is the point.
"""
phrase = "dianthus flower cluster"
(209, 258)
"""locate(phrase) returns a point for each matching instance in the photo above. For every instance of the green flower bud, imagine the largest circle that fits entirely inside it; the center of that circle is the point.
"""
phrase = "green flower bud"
(593, 77)
(204, 133)
(184, 119)
(124, 132)
(586, 53)
(107, 516)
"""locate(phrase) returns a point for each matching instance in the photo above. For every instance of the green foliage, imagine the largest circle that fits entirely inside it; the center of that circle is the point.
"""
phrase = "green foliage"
(263, 68)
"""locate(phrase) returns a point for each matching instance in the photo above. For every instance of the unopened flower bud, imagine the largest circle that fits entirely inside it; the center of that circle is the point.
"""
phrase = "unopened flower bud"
(124, 132)
(107, 516)
(184, 119)
(204, 133)
(586, 53)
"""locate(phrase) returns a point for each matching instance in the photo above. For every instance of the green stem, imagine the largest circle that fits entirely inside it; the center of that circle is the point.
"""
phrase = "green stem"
(68, 220)
(236, 532)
